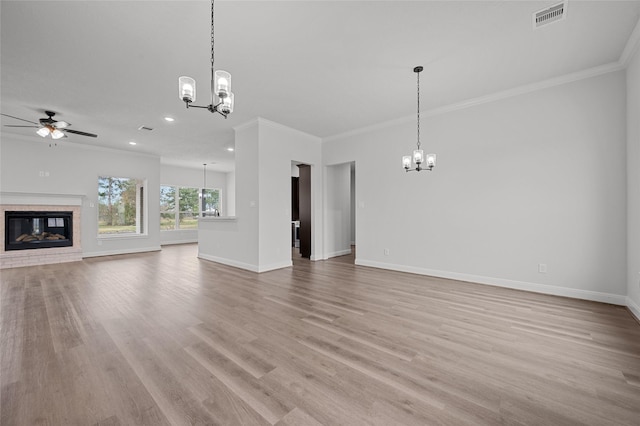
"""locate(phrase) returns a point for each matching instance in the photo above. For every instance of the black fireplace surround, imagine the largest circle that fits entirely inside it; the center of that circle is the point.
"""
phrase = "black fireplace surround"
(37, 229)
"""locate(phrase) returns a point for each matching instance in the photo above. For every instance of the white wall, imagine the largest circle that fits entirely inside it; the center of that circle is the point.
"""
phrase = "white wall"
(260, 237)
(535, 178)
(337, 241)
(633, 184)
(192, 177)
(231, 194)
(70, 168)
(236, 242)
(279, 146)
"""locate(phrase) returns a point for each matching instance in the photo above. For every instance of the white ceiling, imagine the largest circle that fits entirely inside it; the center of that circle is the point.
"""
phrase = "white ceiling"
(323, 67)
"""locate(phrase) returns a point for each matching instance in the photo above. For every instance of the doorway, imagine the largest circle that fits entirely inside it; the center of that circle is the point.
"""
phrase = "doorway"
(340, 218)
(301, 209)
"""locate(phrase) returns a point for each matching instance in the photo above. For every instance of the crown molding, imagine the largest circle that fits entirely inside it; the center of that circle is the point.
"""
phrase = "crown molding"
(247, 124)
(631, 47)
(264, 122)
(505, 94)
(279, 126)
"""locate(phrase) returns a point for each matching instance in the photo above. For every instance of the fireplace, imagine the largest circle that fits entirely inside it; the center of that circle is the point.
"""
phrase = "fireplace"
(37, 229)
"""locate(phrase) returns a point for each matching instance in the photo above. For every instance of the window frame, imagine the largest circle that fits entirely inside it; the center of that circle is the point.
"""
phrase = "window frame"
(141, 209)
(178, 211)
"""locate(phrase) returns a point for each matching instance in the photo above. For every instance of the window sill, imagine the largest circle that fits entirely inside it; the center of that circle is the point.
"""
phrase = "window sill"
(217, 218)
(121, 236)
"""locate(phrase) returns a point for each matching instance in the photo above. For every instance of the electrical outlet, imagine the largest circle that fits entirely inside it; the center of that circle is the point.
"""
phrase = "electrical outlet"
(542, 268)
(386, 252)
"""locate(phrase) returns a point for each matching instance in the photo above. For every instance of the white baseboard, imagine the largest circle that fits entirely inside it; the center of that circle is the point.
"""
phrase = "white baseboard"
(633, 308)
(337, 253)
(595, 296)
(121, 251)
(229, 262)
(274, 266)
(245, 266)
(186, 241)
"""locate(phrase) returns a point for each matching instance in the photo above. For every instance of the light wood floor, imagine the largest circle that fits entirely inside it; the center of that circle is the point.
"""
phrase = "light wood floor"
(164, 338)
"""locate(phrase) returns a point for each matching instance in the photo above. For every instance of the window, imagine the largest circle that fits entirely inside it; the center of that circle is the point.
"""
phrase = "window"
(121, 204)
(180, 207)
(211, 202)
(167, 207)
(188, 202)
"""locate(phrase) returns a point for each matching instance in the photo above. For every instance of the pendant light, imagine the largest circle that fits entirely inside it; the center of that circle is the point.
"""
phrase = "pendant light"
(222, 98)
(418, 154)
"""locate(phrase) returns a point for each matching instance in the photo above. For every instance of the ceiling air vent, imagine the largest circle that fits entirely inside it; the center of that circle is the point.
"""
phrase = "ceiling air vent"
(551, 14)
(145, 128)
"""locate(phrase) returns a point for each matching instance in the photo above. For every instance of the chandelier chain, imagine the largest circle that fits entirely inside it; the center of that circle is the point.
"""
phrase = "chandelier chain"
(418, 73)
(212, 54)
(220, 92)
(419, 158)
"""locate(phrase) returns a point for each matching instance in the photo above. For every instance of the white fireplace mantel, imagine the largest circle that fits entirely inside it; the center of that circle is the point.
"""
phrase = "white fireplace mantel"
(45, 199)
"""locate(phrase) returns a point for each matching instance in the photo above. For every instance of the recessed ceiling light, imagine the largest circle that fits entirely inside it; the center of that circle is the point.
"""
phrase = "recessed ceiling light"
(169, 119)
(230, 149)
(132, 143)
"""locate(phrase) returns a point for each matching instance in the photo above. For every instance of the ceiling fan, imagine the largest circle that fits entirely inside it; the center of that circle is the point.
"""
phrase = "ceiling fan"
(50, 127)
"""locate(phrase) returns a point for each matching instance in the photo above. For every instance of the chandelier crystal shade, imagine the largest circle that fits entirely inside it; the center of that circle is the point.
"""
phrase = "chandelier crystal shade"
(418, 157)
(222, 98)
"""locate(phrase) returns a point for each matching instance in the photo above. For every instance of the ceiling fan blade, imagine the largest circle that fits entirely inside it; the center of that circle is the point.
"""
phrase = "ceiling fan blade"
(77, 132)
(15, 125)
(61, 124)
(21, 119)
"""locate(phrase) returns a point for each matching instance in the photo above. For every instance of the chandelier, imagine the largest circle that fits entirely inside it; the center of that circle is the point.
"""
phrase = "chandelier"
(221, 95)
(418, 154)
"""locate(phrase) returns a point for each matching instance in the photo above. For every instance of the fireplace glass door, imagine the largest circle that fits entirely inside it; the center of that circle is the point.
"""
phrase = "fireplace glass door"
(33, 230)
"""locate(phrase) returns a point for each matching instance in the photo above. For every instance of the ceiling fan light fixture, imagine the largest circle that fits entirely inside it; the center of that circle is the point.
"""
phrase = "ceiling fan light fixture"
(57, 134)
(49, 126)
